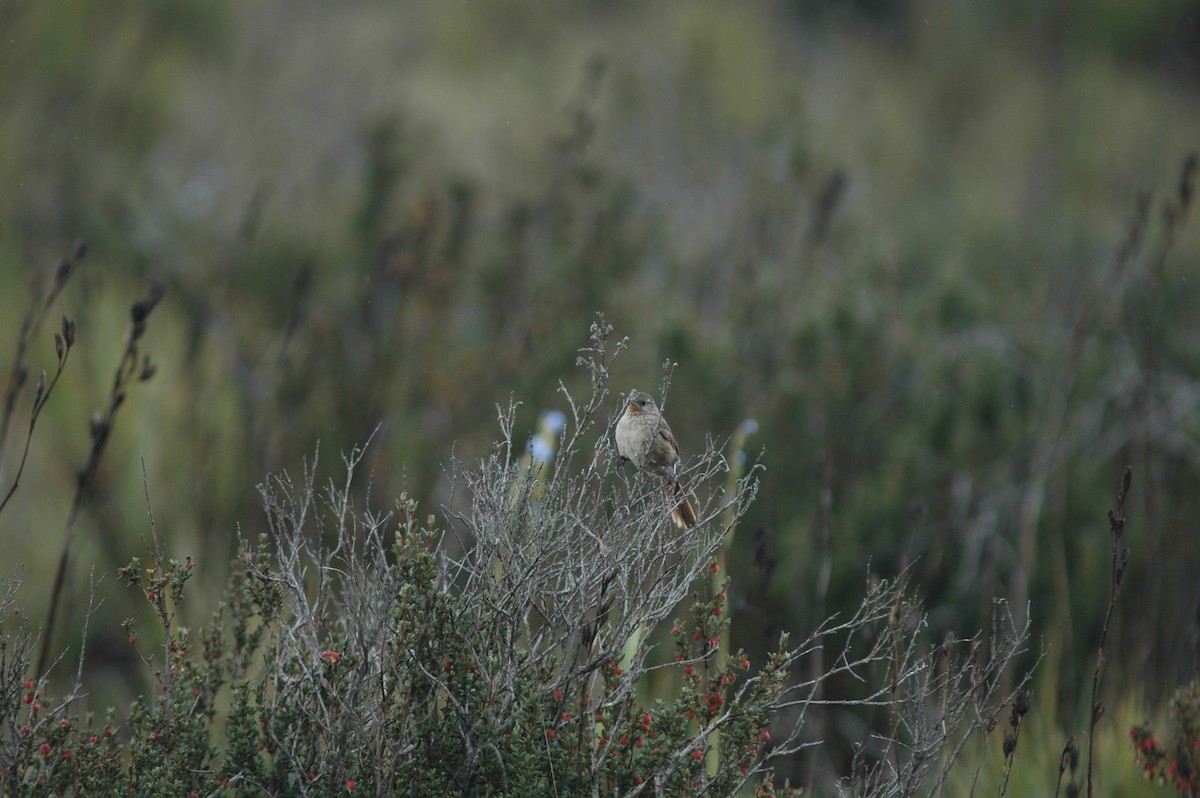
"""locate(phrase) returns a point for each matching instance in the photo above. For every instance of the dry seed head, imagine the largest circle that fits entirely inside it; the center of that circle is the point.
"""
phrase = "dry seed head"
(1021, 702)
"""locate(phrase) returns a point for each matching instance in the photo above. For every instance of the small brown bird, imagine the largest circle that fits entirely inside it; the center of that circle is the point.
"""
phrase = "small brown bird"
(645, 439)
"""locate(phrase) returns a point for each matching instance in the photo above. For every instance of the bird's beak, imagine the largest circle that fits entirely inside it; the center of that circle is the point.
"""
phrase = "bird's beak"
(634, 408)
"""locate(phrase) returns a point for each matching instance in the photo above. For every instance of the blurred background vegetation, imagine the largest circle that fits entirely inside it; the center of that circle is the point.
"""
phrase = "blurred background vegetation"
(939, 251)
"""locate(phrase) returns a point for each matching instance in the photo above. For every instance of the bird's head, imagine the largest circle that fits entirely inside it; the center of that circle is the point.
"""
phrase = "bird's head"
(640, 402)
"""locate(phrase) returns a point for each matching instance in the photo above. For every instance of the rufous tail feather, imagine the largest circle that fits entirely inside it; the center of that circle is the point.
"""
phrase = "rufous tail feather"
(683, 513)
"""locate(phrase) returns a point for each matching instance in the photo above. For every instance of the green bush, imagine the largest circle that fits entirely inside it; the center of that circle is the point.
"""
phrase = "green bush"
(512, 652)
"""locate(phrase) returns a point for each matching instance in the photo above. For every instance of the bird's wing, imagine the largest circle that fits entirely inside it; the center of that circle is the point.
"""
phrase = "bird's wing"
(665, 432)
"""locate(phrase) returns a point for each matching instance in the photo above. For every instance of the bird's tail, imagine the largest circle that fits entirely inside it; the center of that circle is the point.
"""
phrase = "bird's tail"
(683, 513)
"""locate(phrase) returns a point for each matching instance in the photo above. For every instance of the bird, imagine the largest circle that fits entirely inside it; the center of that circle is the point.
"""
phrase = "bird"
(645, 439)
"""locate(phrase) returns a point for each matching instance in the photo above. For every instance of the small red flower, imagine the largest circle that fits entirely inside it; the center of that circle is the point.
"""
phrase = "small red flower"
(714, 568)
(675, 629)
(698, 754)
(558, 695)
(93, 739)
(45, 749)
(617, 670)
(549, 734)
(64, 723)
(351, 785)
(330, 656)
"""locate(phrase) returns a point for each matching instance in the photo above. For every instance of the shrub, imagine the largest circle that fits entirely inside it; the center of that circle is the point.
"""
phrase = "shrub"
(1174, 764)
(511, 652)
